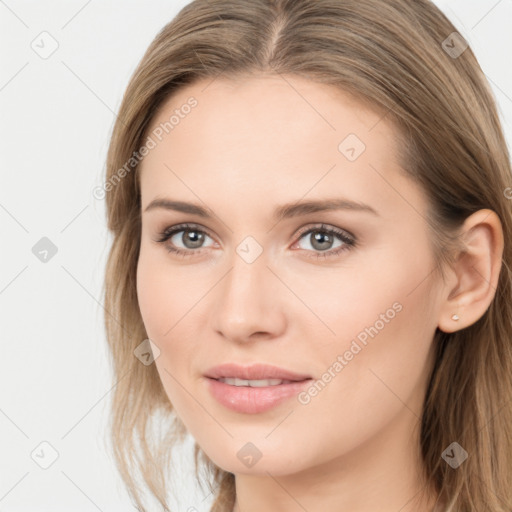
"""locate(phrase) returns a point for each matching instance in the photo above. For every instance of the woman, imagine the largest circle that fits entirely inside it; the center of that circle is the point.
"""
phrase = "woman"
(310, 269)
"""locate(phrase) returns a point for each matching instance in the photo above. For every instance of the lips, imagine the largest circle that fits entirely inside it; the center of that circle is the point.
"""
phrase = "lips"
(253, 389)
(256, 371)
(254, 400)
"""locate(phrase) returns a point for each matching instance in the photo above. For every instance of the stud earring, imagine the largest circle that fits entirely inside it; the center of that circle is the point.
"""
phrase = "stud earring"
(455, 317)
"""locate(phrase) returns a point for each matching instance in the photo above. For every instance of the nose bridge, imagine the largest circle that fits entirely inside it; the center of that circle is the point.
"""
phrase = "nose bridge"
(246, 300)
(245, 283)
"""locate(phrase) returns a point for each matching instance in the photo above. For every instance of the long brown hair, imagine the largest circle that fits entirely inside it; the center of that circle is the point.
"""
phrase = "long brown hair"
(402, 58)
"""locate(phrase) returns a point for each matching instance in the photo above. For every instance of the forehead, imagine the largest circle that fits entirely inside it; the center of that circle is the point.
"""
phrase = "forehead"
(291, 105)
(281, 135)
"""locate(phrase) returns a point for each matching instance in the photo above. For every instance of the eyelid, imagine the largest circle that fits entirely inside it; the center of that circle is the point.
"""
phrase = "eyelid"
(169, 231)
(322, 226)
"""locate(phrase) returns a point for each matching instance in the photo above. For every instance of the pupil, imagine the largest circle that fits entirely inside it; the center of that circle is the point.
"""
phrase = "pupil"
(195, 239)
(322, 239)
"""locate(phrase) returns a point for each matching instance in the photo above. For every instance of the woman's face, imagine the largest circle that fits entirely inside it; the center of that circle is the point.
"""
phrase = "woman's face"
(343, 295)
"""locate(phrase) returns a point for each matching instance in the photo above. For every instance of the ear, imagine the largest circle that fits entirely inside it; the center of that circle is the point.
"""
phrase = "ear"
(475, 272)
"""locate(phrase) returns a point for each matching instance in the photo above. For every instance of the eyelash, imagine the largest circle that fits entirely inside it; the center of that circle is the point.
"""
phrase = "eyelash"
(349, 241)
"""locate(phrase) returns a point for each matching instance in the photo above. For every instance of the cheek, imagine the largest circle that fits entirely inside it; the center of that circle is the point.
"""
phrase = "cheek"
(153, 304)
(380, 355)
(345, 303)
(161, 296)
(165, 308)
(160, 311)
(382, 323)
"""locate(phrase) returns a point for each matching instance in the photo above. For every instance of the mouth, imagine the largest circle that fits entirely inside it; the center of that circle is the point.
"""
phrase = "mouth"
(254, 389)
(259, 383)
(258, 374)
(249, 399)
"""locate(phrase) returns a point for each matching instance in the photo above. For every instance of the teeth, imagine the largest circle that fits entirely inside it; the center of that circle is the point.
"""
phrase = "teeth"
(253, 383)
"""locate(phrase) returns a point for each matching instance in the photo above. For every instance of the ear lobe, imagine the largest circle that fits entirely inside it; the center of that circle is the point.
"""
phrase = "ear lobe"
(476, 271)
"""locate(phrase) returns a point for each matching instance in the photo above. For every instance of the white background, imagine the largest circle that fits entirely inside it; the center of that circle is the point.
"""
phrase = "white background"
(56, 118)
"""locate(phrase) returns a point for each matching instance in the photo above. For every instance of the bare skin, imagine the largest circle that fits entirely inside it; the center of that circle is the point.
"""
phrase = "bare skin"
(247, 147)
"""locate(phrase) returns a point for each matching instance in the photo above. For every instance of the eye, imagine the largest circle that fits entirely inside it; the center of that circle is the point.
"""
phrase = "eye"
(321, 238)
(192, 238)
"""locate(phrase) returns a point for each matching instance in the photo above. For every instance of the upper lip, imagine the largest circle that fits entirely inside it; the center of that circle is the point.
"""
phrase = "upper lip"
(256, 371)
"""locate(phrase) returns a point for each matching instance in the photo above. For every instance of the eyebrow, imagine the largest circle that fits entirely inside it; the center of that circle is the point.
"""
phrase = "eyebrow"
(282, 212)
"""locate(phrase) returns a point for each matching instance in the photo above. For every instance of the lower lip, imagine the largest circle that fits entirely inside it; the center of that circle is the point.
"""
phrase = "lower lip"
(250, 400)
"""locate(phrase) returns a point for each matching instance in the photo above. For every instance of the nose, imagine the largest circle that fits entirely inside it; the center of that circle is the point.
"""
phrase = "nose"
(248, 302)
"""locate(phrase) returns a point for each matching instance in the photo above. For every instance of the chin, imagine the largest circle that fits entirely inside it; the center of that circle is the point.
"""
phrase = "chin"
(258, 457)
